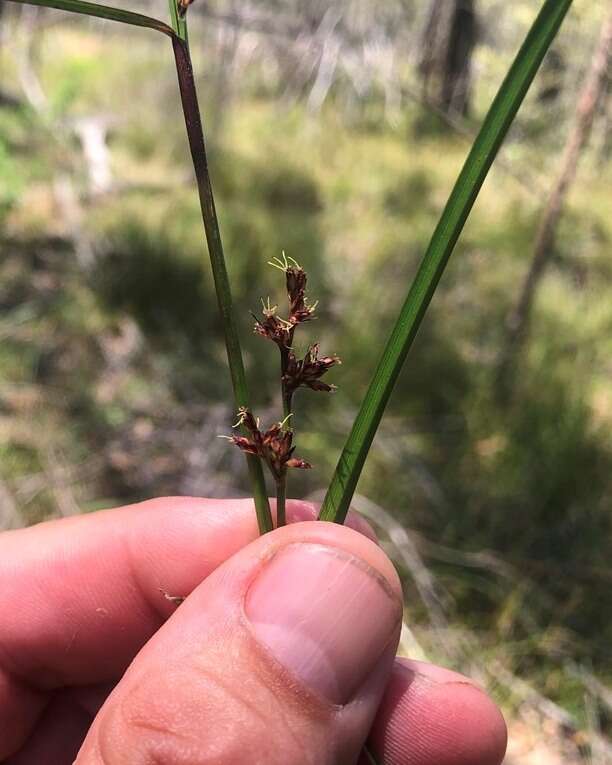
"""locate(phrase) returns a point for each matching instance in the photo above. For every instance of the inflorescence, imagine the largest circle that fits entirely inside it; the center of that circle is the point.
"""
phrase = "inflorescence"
(275, 445)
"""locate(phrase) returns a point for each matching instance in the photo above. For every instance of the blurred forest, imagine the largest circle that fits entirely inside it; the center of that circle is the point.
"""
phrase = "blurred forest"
(336, 131)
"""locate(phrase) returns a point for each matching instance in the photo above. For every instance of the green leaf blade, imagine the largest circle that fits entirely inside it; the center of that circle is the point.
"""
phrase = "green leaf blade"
(102, 12)
(492, 133)
(178, 20)
(197, 146)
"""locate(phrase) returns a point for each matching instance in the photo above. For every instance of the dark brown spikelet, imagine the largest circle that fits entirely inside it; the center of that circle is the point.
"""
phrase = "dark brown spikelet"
(295, 280)
(274, 328)
(245, 444)
(246, 418)
(294, 462)
(299, 310)
(307, 372)
(182, 7)
(274, 446)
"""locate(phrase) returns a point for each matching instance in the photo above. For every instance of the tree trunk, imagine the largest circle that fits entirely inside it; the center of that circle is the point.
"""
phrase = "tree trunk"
(590, 95)
(447, 44)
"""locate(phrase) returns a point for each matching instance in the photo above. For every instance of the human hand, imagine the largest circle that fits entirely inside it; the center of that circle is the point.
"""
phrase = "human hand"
(281, 653)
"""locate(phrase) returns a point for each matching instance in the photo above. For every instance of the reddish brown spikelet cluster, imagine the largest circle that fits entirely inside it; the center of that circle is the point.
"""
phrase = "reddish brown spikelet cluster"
(307, 372)
(299, 310)
(274, 446)
(273, 327)
(182, 7)
(296, 373)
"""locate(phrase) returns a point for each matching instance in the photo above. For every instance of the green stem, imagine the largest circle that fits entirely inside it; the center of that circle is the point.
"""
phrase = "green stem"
(197, 146)
(195, 134)
(281, 484)
(286, 395)
(281, 495)
(179, 22)
(483, 152)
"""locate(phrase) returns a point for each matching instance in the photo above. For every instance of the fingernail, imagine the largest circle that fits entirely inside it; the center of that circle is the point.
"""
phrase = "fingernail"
(326, 616)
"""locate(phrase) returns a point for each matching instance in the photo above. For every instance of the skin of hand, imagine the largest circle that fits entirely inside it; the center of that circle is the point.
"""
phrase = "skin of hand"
(283, 651)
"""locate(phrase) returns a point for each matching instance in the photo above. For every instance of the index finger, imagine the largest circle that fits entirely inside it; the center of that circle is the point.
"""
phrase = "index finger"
(84, 593)
(80, 596)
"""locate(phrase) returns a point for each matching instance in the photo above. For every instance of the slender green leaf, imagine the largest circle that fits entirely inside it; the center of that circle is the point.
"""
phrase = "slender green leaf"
(179, 21)
(197, 147)
(102, 12)
(195, 134)
(483, 152)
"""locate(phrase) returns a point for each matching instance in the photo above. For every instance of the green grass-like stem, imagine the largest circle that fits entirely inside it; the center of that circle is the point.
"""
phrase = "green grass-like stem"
(102, 12)
(462, 198)
(281, 501)
(179, 22)
(197, 147)
(281, 484)
(195, 135)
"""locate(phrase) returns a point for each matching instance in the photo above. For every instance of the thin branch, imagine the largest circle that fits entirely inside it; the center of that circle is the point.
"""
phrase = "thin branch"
(544, 248)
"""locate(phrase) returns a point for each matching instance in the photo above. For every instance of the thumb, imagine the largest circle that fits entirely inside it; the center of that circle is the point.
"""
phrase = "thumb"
(280, 656)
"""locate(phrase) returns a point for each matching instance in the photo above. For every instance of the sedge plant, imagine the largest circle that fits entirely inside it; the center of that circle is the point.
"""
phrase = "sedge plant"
(495, 126)
(274, 446)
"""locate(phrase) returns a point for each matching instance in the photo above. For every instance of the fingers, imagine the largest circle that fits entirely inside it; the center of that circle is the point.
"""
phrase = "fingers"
(280, 656)
(80, 596)
(432, 716)
(61, 728)
(427, 716)
(75, 587)
(58, 574)
(20, 707)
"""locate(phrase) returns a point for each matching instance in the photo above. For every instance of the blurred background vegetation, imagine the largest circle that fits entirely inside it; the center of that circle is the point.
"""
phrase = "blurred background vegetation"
(336, 131)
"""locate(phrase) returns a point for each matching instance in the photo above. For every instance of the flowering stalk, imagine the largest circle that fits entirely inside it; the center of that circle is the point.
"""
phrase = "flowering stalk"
(197, 147)
(275, 445)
